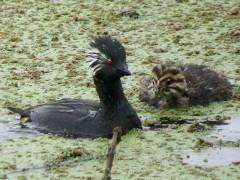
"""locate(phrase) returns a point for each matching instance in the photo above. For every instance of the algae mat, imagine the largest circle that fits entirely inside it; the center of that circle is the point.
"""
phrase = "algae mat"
(42, 58)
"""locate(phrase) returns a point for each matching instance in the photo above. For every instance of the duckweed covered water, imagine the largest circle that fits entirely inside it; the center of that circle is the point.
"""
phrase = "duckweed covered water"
(42, 58)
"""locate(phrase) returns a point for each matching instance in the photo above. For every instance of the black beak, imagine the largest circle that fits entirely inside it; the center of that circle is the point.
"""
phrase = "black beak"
(124, 72)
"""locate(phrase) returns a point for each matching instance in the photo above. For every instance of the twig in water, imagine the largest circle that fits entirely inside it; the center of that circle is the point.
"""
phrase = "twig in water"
(117, 134)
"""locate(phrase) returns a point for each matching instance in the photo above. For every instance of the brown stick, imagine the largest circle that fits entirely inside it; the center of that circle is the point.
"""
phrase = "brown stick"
(117, 134)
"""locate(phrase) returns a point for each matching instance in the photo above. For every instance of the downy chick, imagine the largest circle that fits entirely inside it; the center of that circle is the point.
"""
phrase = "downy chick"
(184, 85)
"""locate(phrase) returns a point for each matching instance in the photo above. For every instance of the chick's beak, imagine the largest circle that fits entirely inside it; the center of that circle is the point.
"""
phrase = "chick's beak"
(157, 90)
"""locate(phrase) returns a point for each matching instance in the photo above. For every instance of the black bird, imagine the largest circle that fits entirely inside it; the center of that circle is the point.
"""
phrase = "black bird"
(87, 118)
(184, 85)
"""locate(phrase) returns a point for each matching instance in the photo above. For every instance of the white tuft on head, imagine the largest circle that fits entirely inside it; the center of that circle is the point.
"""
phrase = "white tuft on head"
(96, 60)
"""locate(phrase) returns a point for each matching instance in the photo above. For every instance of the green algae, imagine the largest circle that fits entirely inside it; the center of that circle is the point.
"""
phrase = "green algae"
(42, 57)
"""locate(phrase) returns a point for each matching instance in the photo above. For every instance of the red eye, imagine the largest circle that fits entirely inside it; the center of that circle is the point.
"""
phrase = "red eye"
(109, 62)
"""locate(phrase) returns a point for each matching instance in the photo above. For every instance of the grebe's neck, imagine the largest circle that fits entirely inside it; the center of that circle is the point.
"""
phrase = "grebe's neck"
(110, 93)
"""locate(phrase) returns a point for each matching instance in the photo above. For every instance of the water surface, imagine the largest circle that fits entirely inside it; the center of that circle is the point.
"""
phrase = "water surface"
(221, 155)
(10, 129)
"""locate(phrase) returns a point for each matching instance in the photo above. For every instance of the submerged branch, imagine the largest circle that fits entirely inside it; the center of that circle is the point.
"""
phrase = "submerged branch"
(165, 121)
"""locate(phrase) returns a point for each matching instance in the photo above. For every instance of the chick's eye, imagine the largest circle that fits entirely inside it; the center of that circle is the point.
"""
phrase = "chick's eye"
(169, 81)
(109, 62)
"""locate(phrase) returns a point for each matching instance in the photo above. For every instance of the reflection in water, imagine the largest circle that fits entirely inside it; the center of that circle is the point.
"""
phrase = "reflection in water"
(10, 129)
(221, 155)
(214, 157)
(229, 132)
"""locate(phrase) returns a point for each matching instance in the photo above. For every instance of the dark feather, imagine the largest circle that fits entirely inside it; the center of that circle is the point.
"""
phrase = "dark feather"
(16, 110)
(110, 47)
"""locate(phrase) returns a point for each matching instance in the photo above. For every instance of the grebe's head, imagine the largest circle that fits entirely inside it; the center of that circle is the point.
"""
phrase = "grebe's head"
(107, 58)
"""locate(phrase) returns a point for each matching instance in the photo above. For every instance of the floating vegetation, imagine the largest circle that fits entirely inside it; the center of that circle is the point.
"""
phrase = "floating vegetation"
(43, 45)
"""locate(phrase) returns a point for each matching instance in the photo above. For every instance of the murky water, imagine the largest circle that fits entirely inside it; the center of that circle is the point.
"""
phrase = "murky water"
(220, 155)
(228, 132)
(10, 129)
(214, 157)
(235, 82)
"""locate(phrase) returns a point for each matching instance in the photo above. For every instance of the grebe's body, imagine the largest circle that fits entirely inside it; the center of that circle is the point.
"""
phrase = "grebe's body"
(87, 118)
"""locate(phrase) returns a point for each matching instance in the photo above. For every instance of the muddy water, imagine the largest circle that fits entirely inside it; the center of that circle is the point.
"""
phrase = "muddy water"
(10, 129)
(228, 132)
(214, 157)
(218, 155)
(222, 154)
